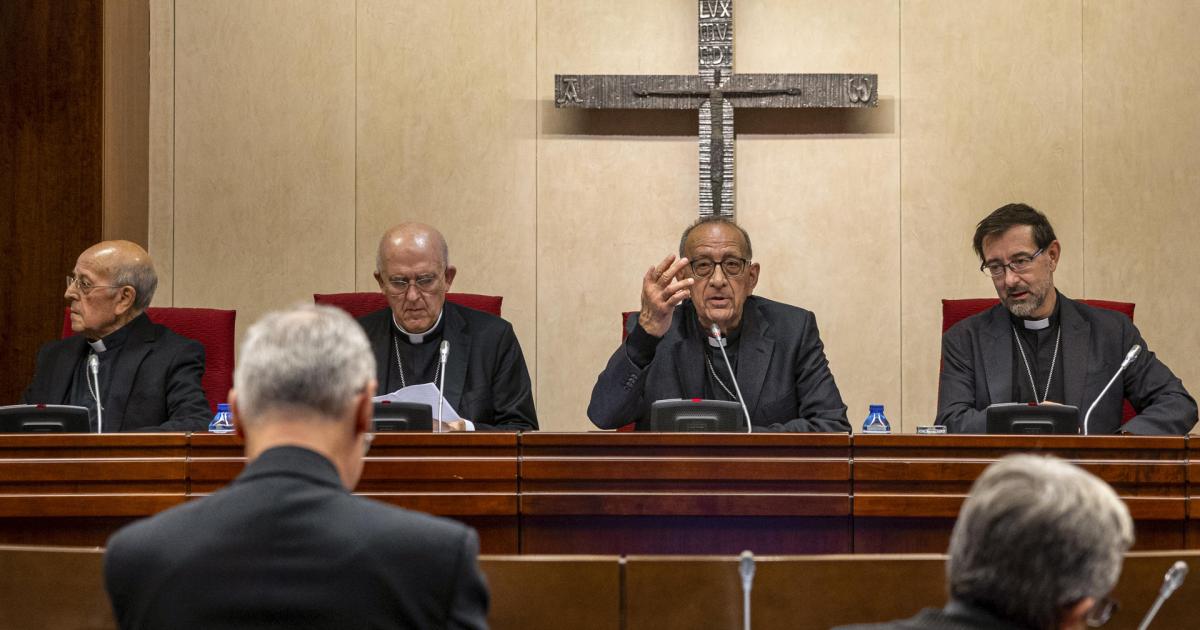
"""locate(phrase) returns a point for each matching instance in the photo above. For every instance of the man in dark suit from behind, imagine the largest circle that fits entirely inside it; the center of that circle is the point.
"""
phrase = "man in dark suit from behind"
(149, 377)
(1038, 545)
(286, 545)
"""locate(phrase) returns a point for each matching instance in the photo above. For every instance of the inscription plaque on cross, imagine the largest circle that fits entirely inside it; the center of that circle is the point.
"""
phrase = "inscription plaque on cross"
(715, 91)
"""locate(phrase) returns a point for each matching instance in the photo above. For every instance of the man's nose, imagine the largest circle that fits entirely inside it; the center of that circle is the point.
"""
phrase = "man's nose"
(718, 276)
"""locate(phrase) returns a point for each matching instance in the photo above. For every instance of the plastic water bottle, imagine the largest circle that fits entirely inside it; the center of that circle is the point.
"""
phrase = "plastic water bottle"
(876, 422)
(223, 421)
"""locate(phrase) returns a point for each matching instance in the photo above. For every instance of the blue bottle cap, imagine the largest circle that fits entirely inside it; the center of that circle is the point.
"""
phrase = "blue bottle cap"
(222, 407)
(876, 408)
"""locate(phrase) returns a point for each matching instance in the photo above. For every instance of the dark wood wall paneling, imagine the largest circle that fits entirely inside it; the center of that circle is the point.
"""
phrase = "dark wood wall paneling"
(51, 138)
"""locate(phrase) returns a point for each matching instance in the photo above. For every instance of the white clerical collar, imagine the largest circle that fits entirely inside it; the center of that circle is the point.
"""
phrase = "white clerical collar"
(717, 343)
(97, 346)
(1036, 324)
(419, 338)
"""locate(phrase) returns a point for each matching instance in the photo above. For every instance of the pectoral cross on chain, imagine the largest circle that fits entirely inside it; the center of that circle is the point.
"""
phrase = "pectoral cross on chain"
(716, 91)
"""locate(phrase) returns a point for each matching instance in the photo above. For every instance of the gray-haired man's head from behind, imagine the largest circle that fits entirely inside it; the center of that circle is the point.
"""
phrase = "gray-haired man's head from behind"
(1035, 537)
(308, 361)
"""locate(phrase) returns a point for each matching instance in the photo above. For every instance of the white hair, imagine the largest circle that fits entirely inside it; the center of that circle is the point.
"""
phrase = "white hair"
(1035, 536)
(310, 359)
(140, 275)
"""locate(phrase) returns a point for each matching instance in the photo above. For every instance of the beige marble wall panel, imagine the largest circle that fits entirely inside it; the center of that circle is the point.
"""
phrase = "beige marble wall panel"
(161, 124)
(1141, 163)
(446, 135)
(992, 109)
(819, 190)
(264, 152)
(614, 188)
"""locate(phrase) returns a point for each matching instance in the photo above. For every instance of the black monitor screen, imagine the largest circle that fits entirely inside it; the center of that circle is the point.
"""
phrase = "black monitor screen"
(696, 415)
(402, 416)
(44, 419)
(1026, 419)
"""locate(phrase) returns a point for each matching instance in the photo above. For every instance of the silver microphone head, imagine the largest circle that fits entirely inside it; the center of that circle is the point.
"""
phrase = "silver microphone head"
(715, 330)
(746, 566)
(444, 349)
(93, 362)
(1175, 575)
(1132, 354)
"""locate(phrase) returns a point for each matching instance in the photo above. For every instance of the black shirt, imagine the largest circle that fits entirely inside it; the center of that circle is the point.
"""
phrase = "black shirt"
(1039, 348)
(419, 360)
(78, 392)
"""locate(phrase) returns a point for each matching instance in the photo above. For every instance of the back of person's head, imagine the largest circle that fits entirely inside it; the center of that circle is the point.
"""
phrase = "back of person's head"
(1035, 536)
(308, 361)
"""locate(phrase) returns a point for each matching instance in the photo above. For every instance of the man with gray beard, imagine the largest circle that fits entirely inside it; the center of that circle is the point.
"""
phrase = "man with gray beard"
(1039, 346)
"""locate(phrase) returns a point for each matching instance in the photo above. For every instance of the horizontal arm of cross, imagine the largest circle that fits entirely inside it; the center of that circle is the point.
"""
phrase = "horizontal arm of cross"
(616, 91)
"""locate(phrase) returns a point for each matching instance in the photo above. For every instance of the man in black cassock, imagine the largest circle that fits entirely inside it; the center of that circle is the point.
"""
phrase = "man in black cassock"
(149, 377)
(487, 382)
(775, 349)
(1039, 346)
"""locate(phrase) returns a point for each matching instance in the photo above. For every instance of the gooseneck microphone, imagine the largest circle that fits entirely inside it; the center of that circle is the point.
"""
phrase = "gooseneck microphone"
(93, 374)
(716, 331)
(746, 570)
(1129, 357)
(443, 354)
(1171, 581)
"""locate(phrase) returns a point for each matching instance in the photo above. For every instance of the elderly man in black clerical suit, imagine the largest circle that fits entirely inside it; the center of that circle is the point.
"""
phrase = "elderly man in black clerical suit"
(1038, 545)
(1039, 346)
(286, 545)
(487, 382)
(775, 349)
(149, 377)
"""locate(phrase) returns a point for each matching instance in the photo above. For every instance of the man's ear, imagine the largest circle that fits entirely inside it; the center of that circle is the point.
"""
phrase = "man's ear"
(364, 409)
(1075, 615)
(1053, 250)
(237, 414)
(379, 279)
(125, 297)
(451, 271)
(752, 277)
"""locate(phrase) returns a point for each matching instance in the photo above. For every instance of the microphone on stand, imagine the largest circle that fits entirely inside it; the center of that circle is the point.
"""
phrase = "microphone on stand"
(93, 364)
(746, 570)
(716, 331)
(443, 354)
(1129, 357)
(1171, 581)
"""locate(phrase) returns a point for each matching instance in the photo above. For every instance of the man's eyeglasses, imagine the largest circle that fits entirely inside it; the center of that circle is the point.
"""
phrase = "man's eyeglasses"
(85, 286)
(1102, 612)
(731, 267)
(1018, 264)
(399, 286)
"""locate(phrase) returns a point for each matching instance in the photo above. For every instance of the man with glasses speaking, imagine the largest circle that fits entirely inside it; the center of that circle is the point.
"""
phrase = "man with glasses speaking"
(486, 380)
(140, 374)
(775, 350)
(1039, 346)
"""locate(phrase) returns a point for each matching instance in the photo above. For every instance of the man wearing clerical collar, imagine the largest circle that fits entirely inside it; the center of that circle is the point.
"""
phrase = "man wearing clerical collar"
(1039, 346)
(148, 377)
(486, 379)
(775, 349)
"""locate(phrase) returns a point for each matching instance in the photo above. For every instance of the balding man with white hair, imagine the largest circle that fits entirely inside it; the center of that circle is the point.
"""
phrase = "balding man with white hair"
(1038, 545)
(487, 381)
(286, 545)
(149, 377)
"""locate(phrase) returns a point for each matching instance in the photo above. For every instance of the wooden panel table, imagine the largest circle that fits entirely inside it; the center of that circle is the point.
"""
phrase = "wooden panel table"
(78, 489)
(908, 488)
(684, 493)
(470, 477)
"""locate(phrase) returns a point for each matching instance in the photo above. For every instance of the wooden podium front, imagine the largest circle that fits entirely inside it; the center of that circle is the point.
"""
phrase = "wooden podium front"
(612, 493)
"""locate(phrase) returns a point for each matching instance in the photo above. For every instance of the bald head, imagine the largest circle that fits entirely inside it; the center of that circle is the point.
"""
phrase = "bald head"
(124, 263)
(412, 238)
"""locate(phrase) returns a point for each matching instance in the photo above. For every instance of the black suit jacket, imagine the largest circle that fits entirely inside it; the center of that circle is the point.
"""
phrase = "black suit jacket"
(155, 380)
(955, 616)
(486, 378)
(782, 372)
(977, 372)
(287, 546)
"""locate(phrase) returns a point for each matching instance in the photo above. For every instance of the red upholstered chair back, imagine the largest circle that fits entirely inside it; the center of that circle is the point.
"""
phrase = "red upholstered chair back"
(359, 304)
(213, 328)
(954, 311)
